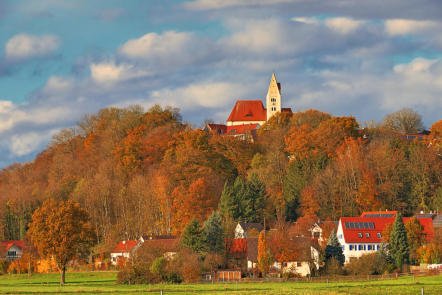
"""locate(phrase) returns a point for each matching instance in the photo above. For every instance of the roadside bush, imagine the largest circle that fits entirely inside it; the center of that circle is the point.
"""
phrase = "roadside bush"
(4, 264)
(333, 266)
(369, 264)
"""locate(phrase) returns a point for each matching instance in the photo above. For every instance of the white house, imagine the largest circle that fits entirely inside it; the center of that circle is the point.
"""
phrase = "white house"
(363, 235)
(308, 258)
(124, 249)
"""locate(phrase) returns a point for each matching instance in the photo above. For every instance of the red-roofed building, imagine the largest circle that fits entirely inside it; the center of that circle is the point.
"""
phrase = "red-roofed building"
(12, 249)
(249, 115)
(124, 249)
(363, 235)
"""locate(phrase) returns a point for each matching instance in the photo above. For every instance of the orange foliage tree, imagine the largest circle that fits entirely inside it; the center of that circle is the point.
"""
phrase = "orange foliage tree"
(61, 230)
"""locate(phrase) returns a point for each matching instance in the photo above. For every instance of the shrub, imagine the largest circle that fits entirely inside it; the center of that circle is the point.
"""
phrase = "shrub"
(4, 264)
(367, 264)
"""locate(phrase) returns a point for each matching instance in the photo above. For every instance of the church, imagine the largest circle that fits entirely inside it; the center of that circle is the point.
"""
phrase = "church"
(248, 115)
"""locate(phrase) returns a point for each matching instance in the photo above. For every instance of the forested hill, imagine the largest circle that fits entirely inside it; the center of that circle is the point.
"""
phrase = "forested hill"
(140, 172)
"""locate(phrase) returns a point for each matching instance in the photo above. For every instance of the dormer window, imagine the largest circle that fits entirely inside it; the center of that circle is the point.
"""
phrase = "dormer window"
(360, 235)
(367, 235)
(379, 235)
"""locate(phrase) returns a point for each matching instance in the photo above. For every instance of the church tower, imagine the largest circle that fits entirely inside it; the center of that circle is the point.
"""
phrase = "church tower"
(273, 99)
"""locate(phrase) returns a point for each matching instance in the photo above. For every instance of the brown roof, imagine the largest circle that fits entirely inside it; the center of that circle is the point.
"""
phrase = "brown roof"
(218, 128)
(248, 110)
(252, 249)
(168, 245)
(246, 226)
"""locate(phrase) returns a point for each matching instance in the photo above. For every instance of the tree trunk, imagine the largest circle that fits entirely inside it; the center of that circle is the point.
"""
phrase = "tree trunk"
(63, 276)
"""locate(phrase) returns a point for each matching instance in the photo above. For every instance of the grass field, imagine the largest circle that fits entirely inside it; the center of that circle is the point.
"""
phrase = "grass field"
(104, 282)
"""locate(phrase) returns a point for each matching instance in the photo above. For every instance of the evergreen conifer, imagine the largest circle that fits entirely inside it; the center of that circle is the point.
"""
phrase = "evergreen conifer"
(192, 236)
(213, 234)
(398, 246)
(334, 249)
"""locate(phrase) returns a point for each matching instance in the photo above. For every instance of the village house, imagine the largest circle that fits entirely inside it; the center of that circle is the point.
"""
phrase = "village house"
(307, 257)
(124, 250)
(248, 115)
(127, 249)
(11, 249)
(363, 235)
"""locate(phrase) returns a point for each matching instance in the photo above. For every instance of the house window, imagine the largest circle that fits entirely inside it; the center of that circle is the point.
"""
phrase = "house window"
(360, 235)
(350, 247)
(12, 253)
(367, 235)
(340, 236)
(298, 264)
(343, 248)
(379, 235)
(360, 248)
(365, 247)
(377, 247)
(369, 247)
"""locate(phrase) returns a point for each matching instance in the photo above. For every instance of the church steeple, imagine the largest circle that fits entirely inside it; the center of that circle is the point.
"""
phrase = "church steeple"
(273, 99)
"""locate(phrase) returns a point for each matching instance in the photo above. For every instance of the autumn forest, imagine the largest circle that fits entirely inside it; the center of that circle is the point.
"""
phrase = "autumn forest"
(148, 172)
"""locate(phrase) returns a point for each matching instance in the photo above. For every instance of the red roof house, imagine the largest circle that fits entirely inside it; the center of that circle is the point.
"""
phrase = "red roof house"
(12, 249)
(360, 235)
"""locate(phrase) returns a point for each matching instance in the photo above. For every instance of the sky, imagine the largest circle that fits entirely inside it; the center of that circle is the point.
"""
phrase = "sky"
(60, 60)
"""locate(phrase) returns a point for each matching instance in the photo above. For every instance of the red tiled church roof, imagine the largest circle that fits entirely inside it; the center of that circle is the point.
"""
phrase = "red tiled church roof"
(125, 246)
(248, 110)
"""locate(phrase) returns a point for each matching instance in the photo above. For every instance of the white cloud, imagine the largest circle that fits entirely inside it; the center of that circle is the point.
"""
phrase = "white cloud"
(6, 106)
(418, 65)
(109, 72)
(306, 20)
(25, 46)
(23, 144)
(202, 94)
(217, 4)
(343, 25)
(153, 45)
(168, 51)
(408, 26)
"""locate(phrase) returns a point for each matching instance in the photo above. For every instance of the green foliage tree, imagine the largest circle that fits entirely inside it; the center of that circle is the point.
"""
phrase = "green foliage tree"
(213, 234)
(192, 236)
(334, 250)
(398, 246)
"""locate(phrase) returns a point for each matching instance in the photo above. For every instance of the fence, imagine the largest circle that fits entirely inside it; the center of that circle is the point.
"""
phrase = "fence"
(327, 279)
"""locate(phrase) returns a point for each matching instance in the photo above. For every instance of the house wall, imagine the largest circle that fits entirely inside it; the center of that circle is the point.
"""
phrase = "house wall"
(235, 123)
(303, 269)
(114, 257)
(18, 252)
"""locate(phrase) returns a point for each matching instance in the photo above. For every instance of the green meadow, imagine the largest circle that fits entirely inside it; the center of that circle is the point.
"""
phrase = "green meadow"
(104, 283)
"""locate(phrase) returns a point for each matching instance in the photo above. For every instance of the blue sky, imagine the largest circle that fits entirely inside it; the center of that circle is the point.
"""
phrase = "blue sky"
(62, 59)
